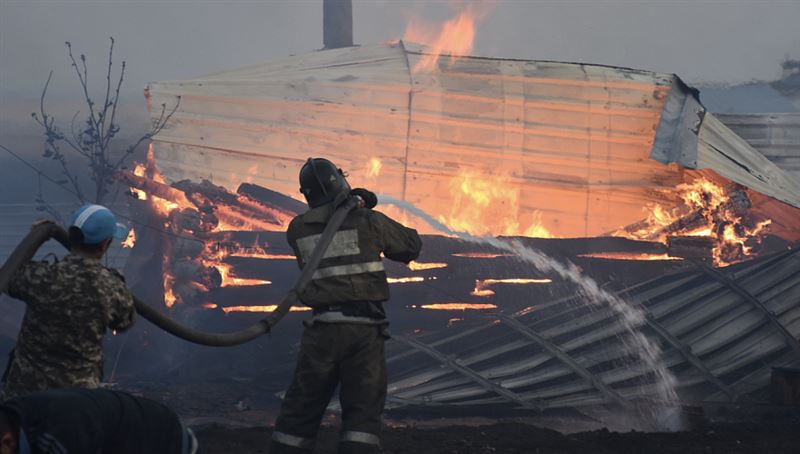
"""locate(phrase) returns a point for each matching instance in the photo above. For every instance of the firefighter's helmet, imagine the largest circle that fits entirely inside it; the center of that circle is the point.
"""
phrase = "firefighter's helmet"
(322, 182)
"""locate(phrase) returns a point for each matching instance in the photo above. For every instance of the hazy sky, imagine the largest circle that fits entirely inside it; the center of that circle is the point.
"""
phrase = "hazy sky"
(702, 41)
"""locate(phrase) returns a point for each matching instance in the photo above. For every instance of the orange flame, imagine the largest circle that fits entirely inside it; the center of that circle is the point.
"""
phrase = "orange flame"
(418, 266)
(169, 295)
(482, 285)
(404, 280)
(711, 212)
(455, 37)
(456, 306)
(270, 308)
(261, 255)
(212, 259)
(374, 169)
(231, 219)
(139, 172)
(628, 256)
(130, 241)
(489, 204)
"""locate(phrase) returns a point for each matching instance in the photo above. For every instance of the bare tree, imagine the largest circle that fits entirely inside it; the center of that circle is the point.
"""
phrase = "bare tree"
(93, 137)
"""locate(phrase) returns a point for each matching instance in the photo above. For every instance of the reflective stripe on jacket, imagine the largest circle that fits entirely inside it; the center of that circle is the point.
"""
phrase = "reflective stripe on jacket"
(351, 269)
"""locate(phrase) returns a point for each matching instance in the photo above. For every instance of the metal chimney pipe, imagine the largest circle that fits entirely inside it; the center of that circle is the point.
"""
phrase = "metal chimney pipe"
(337, 23)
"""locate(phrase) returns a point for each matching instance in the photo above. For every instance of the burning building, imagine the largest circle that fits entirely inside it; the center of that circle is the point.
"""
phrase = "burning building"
(621, 171)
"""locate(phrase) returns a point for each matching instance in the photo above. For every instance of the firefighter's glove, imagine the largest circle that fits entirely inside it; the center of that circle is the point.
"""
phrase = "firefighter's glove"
(369, 197)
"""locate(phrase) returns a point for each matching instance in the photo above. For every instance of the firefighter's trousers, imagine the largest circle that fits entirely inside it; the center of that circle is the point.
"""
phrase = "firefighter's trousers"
(331, 354)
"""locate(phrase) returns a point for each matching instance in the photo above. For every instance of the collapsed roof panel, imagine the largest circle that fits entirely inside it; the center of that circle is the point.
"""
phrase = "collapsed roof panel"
(719, 338)
(578, 148)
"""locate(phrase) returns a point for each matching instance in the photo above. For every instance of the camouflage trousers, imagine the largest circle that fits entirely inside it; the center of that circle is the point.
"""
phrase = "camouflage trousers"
(331, 354)
(25, 376)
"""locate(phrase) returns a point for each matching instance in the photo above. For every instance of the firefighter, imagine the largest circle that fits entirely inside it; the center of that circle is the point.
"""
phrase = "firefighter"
(91, 421)
(69, 305)
(343, 343)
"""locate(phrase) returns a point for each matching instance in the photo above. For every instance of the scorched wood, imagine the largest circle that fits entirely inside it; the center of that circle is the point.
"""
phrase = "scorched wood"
(272, 198)
(695, 247)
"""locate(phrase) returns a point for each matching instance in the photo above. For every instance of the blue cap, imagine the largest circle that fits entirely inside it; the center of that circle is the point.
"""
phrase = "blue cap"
(97, 223)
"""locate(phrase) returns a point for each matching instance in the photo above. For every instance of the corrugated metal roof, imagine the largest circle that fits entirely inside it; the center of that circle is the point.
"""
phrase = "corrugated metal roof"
(573, 140)
(720, 332)
(775, 135)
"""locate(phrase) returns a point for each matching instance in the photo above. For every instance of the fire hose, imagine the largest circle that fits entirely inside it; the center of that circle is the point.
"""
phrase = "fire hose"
(26, 249)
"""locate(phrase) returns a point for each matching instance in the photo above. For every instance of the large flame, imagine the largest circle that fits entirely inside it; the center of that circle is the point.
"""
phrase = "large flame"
(481, 203)
(246, 214)
(706, 209)
(489, 204)
(454, 37)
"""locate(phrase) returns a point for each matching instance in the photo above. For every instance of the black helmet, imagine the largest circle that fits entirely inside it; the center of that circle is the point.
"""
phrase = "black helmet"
(322, 182)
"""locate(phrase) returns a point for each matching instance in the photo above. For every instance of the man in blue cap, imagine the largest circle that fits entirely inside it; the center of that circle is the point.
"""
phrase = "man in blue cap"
(70, 304)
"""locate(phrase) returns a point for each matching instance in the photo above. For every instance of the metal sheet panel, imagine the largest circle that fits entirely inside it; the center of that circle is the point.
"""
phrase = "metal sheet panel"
(729, 335)
(580, 148)
(775, 135)
(571, 141)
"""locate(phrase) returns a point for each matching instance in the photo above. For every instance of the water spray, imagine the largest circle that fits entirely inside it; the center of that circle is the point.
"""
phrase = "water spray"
(632, 317)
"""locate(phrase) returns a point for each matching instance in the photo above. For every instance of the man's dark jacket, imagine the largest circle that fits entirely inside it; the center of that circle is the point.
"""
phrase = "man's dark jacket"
(92, 421)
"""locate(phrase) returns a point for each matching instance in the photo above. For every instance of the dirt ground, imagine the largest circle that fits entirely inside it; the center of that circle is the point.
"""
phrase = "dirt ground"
(771, 435)
(235, 417)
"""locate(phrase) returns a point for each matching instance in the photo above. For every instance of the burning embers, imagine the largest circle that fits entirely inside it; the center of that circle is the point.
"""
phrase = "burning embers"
(223, 249)
(482, 285)
(201, 222)
(717, 217)
(418, 266)
(456, 306)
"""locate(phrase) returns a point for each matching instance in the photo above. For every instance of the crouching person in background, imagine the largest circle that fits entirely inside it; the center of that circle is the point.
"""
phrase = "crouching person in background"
(96, 421)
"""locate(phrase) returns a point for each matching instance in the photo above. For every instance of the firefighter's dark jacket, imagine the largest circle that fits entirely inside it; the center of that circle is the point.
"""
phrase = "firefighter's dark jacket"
(352, 269)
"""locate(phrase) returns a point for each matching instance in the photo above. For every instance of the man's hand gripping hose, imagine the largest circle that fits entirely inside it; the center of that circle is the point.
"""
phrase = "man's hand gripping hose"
(39, 234)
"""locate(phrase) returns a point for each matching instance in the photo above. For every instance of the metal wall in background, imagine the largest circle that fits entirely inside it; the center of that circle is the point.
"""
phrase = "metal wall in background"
(775, 135)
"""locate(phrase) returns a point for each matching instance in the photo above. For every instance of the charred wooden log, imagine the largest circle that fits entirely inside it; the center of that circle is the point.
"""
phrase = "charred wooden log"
(694, 247)
(272, 198)
(154, 188)
(240, 209)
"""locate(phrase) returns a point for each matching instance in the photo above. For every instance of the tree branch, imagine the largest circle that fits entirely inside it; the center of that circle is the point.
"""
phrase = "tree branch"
(108, 87)
(112, 127)
(158, 125)
(84, 81)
